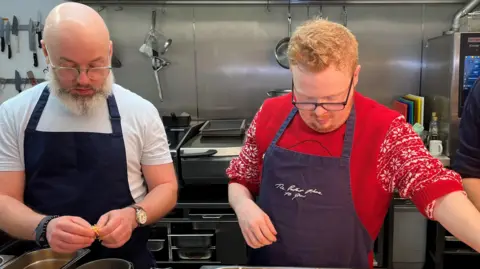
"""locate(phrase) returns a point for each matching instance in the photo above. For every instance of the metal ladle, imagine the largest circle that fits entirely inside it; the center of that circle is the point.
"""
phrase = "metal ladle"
(157, 64)
(166, 46)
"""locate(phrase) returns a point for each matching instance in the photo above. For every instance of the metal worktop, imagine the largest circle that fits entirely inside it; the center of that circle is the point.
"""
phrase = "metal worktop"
(260, 267)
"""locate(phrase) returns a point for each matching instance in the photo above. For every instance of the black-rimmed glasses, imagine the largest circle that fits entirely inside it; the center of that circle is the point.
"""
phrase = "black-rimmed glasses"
(329, 106)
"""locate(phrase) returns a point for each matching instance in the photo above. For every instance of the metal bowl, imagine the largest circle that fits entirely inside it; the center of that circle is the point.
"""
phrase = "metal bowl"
(43, 259)
(107, 264)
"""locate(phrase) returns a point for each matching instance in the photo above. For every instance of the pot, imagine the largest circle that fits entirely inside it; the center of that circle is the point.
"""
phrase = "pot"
(279, 92)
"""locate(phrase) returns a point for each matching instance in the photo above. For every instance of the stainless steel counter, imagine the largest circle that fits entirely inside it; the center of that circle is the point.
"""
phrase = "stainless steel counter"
(395, 266)
(259, 267)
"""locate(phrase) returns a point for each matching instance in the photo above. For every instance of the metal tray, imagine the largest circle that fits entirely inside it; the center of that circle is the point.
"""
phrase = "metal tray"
(111, 263)
(155, 245)
(45, 259)
(223, 128)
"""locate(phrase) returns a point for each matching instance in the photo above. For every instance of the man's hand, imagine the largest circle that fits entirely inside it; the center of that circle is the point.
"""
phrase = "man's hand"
(115, 227)
(69, 234)
(256, 226)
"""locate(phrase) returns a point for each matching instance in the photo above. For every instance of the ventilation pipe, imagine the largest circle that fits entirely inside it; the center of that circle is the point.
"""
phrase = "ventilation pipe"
(462, 12)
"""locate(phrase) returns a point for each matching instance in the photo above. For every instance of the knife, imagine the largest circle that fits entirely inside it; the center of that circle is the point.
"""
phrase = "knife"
(2, 35)
(39, 29)
(18, 81)
(31, 40)
(7, 39)
(15, 32)
(31, 77)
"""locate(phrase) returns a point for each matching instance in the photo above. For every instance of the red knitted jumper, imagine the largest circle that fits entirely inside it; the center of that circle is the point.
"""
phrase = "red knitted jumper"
(386, 155)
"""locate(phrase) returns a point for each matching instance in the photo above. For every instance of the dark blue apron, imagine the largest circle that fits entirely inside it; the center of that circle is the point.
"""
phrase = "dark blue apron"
(82, 174)
(309, 201)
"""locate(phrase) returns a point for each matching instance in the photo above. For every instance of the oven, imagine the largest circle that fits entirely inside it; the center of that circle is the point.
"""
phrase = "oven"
(451, 66)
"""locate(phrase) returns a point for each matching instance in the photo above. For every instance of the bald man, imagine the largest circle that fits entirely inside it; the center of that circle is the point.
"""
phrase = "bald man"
(79, 150)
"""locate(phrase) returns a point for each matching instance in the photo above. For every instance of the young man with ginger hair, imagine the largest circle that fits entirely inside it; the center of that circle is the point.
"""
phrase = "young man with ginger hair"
(325, 160)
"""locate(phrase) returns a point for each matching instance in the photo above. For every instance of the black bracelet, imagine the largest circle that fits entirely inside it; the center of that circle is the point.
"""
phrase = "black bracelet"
(41, 231)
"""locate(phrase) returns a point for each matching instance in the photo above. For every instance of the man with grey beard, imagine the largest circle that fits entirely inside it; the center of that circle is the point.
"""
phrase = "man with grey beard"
(82, 158)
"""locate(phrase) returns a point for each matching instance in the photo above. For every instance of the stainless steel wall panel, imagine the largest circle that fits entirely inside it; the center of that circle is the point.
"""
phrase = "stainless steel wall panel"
(235, 57)
(128, 28)
(222, 55)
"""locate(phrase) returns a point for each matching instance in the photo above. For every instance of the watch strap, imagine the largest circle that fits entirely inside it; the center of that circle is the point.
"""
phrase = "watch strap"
(41, 231)
(137, 209)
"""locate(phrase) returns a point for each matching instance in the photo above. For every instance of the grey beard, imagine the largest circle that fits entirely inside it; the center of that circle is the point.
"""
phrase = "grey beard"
(77, 104)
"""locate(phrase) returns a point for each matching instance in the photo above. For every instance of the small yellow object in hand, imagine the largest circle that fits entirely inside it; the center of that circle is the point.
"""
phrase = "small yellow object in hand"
(96, 230)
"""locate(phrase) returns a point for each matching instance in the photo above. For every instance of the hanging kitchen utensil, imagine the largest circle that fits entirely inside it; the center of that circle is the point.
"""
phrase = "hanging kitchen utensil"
(158, 64)
(18, 81)
(344, 16)
(39, 29)
(166, 46)
(281, 48)
(320, 12)
(32, 42)
(155, 43)
(15, 32)
(32, 79)
(8, 28)
(150, 38)
(2, 35)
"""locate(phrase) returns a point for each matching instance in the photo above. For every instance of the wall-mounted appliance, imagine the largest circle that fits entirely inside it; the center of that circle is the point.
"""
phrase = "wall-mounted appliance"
(451, 65)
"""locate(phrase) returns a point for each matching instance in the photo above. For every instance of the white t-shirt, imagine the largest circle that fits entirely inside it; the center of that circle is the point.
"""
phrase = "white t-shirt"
(143, 131)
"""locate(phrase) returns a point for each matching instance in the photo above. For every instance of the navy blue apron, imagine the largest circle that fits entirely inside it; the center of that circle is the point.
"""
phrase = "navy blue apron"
(309, 201)
(82, 174)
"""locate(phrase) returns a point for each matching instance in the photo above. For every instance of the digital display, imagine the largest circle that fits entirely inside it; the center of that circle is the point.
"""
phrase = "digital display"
(474, 40)
(471, 73)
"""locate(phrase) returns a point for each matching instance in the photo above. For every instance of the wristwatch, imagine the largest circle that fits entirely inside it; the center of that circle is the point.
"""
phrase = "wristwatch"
(140, 215)
(41, 231)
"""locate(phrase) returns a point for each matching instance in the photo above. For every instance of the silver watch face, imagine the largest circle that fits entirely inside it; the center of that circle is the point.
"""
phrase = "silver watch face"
(141, 216)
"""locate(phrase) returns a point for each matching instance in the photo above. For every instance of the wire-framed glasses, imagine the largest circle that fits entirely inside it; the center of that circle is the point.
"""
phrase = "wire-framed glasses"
(72, 73)
(329, 106)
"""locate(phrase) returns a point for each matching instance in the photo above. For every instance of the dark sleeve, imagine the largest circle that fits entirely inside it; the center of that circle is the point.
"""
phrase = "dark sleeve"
(467, 159)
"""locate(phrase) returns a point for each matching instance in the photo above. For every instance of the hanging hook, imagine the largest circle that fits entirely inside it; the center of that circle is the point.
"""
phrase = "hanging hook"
(163, 10)
(154, 19)
(268, 6)
(101, 8)
(289, 13)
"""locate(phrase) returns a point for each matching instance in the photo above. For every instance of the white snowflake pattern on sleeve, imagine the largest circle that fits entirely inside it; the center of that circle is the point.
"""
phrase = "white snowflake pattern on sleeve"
(406, 165)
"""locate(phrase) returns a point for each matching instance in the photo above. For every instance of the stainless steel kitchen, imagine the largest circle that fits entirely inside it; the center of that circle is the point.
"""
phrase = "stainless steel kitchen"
(207, 66)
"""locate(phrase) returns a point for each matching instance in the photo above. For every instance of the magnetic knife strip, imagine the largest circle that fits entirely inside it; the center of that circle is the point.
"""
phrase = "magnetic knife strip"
(24, 81)
(22, 27)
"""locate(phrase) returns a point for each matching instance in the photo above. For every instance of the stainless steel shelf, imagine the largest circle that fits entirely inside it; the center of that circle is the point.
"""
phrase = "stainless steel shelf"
(263, 2)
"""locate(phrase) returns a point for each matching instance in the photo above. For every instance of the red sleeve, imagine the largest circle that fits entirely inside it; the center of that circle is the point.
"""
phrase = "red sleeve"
(405, 164)
(245, 169)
